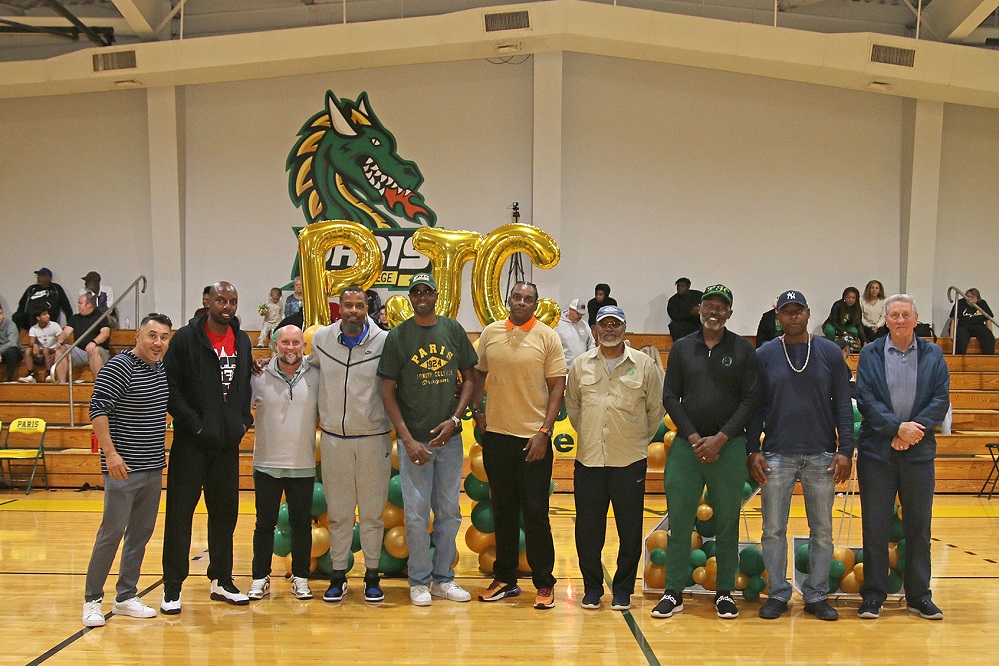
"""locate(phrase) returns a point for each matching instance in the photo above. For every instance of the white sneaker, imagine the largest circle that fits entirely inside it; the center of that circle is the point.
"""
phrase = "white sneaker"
(229, 593)
(450, 591)
(92, 615)
(259, 588)
(420, 595)
(170, 606)
(27, 380)
(300, 588)
(133, 608)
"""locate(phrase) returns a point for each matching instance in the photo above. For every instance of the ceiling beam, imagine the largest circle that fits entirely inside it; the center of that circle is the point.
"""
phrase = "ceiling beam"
(69, 16)
(145, 16)
(954, 20)
(23, 28)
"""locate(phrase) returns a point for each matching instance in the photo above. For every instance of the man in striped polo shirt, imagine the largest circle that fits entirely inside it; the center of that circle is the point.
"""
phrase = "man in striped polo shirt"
(128, 413)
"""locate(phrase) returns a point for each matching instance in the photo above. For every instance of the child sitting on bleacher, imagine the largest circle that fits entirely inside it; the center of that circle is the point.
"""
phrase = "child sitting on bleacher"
(42, 345)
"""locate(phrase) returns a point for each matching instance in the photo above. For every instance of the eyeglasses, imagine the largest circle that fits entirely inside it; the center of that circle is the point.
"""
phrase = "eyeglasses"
(422, 293)
(610, 323)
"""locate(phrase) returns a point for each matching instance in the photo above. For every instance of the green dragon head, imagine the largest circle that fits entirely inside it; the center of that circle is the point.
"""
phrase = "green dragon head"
(345, 166)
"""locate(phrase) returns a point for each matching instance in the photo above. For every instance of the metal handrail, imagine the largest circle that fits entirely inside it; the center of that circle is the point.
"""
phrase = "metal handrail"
(951, 290)
(77, 337)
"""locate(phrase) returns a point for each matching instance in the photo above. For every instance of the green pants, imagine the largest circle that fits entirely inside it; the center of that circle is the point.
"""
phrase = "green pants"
(685, 478)
(831, 333)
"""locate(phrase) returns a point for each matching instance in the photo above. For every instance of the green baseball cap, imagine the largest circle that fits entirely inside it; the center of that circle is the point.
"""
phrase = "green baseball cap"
(717, 290)
(423, 278)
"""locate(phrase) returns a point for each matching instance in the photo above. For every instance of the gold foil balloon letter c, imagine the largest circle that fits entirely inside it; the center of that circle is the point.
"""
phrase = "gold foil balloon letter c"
(318, 284)
(495, 249)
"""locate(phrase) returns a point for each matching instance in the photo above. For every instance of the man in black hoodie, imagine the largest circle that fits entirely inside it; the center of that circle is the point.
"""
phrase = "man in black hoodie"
(208, 369)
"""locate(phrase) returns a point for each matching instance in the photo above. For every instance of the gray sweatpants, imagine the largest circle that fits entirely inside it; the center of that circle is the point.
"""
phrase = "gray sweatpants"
(130, 508)
(356, 473)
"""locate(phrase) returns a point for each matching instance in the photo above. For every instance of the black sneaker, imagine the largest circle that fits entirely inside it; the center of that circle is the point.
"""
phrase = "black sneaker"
(372, 589)
(869, 610)
(773, 609)
(822, 610)
(591, 600)
(725, 605)
(926, 609)
(336, 591)
(621, 602)
(671, 602)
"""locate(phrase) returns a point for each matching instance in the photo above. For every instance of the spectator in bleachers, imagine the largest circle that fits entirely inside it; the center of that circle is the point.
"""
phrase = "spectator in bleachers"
(93, 348)
(768, 328)
(104, 295)
(10, 346)
(573, 332)
(203, 310)
(971, 323)
(872, 306)
(271, 312)
(43, 295)
(844, 316)
(683, 309)
(293, 303)
(42, 345)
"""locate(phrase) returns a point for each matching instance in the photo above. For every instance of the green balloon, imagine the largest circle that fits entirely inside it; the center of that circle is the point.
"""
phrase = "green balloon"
(482, 517)
(657, 556)
(857, 417)
(661, 433)
(690, 581)
(897, 531)
(709, 548)
(751, 561)
(551, 488)
(318, 500)
(562, 413)
(750, 595)
(856, 430)
(284, 520)
(325, 564)
(900, 565)
(901, 549)
(477, 434)
(355, 540)
(747, 490)
(350, 561)
(395, 472)
(894, 581)
(836, 570)
(757, 584)
(388, 564)
(859, 553)
(801, 562)
(522, 546)
(697, 557)
(833, 585)
(395, 491)
(897, 507)
(707, 497)
(475, 489)
(707, 528)
(282, 543)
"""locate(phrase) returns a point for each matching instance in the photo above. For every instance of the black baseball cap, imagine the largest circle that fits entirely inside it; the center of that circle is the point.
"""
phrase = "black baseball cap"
(791, 296)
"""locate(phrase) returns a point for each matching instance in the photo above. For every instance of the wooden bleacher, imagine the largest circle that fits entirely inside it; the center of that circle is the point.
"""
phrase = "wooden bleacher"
(962, 462)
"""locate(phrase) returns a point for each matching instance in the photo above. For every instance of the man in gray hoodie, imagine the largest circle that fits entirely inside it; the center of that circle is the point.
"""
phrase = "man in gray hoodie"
(356, 442)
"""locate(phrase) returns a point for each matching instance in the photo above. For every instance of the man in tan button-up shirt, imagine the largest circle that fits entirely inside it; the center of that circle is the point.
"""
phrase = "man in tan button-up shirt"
(614, 401)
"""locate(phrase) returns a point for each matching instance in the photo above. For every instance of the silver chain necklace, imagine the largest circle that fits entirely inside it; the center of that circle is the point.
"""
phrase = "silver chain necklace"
(808, 354)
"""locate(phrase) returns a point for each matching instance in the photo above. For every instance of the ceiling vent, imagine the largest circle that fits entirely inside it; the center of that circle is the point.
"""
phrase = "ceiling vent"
(108, 61)
(508, 21)
(893, 55)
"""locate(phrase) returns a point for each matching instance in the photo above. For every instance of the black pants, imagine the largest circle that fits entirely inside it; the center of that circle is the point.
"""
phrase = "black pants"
(267, 496)
(595, 488)
(518, 485)
(867, 335)
(967, 331)
(194, 467)
(914, 482)
(12, 358)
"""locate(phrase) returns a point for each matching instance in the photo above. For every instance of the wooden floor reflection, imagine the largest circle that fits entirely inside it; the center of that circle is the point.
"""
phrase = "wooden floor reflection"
(45, 543)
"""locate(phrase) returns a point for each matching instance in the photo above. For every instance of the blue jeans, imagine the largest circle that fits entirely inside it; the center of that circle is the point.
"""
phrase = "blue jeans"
(433, 485)
(820, 492)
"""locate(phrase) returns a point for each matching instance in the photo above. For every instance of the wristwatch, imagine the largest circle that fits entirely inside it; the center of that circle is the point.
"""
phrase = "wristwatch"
(547, 431)
(457, 421)
(477, 411)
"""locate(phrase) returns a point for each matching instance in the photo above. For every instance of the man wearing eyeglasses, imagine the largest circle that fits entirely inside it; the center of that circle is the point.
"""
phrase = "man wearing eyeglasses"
(614, 401)
(425, 359)
(711, 389)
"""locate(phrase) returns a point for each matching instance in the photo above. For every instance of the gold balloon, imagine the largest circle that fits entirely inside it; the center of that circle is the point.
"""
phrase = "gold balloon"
(704, 512)
(487, 558)
(893, 555)
(899, 514)
(711, 566)
(323, 521)
(307, 336)
(741, 581)
(448, 250)
(392, 516)
(395, 542)
(700, 575)
(655, 576)
(858, 572)
(320, 541)
(657, 456)
(397, 310)
(710, 581)
(669, 423)
(494, 250)
(849, 583)
(314, 242)
(475, 449)
(522, 565)
(846, 556)
(395, 455)
(669, 437)
(478, 541)
(313, 564)
(287, 563)
(657, 539)
(696, 540)
(478, 468)
(456, 558)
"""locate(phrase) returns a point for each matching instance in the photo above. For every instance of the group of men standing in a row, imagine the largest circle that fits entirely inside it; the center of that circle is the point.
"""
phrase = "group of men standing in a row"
(420, 378)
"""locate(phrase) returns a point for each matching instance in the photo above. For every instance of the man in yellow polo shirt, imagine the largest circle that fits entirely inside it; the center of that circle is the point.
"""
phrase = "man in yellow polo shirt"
(523, 361)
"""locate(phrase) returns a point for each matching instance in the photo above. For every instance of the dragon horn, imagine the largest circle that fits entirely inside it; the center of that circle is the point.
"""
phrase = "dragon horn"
(341, 125)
